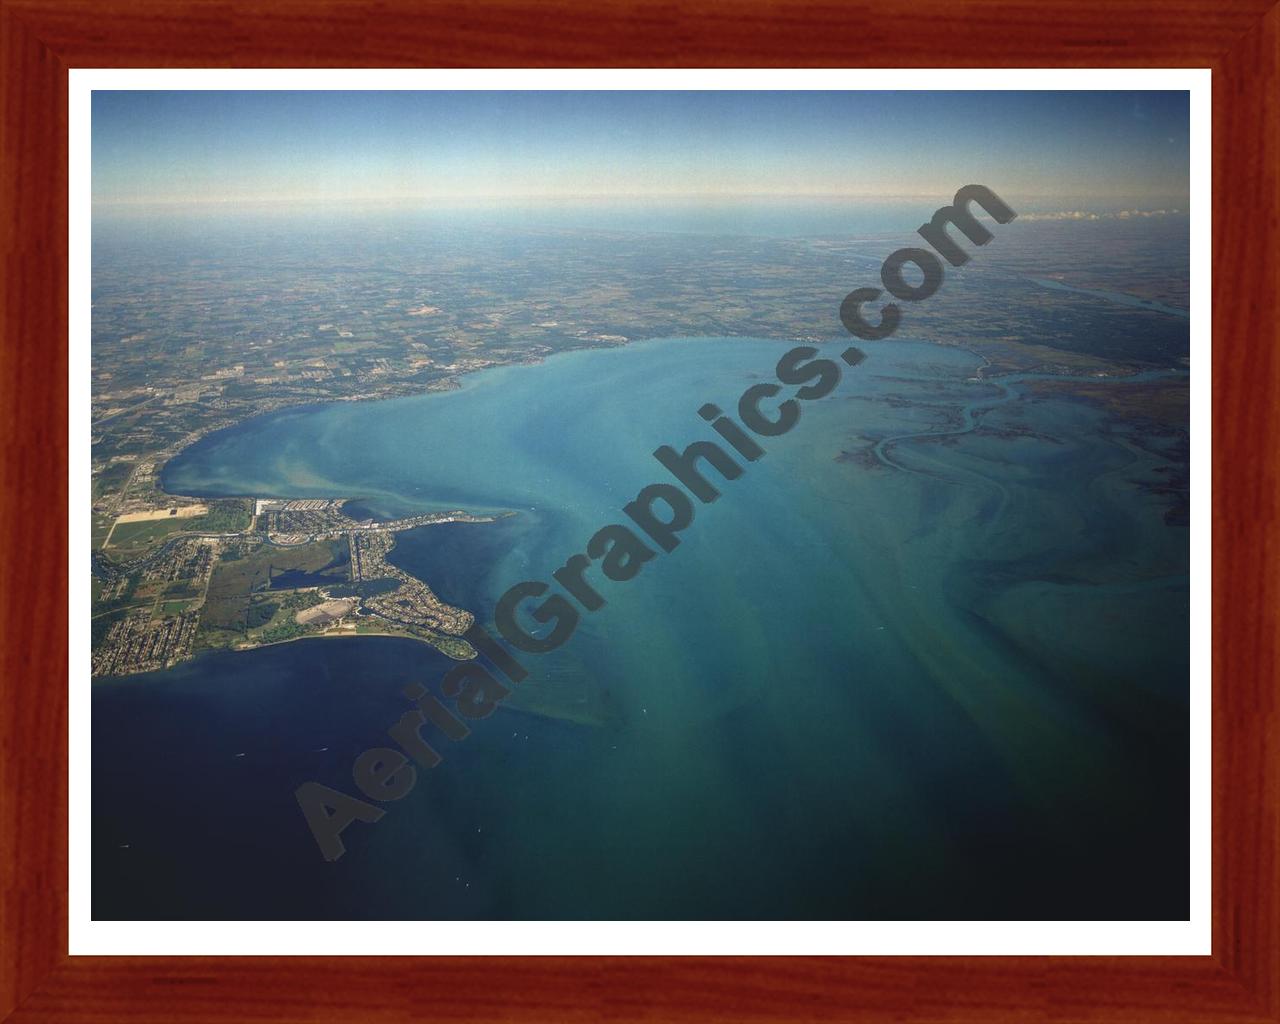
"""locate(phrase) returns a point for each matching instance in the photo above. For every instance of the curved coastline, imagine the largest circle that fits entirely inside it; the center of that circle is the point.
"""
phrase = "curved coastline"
(449, 385)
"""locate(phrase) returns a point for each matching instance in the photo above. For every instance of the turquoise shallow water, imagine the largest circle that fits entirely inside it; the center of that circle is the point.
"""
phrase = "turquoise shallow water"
(939, 676)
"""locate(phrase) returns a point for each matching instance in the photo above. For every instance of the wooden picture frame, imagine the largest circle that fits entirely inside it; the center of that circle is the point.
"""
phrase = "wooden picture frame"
(42, 39)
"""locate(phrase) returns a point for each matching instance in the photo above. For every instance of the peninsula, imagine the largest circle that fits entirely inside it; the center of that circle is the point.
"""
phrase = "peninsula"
(241, 573)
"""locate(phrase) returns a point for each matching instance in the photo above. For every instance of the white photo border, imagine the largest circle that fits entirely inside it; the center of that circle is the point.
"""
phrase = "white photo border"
(829, 938)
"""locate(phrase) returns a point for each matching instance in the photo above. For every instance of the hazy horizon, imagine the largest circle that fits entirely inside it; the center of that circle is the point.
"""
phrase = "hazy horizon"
(173, 149)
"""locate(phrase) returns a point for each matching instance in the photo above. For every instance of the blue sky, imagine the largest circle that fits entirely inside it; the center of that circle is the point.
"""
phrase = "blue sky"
(194, 147)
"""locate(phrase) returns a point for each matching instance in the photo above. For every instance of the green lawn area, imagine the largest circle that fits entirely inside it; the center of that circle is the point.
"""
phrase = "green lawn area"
(230, 515)
(133, 538)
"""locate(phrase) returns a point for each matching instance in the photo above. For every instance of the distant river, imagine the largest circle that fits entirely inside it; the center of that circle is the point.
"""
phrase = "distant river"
(1137, 302)
(950, 683)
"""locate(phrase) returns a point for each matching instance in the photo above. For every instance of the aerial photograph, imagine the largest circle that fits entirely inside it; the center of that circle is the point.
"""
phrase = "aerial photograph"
(639, 505)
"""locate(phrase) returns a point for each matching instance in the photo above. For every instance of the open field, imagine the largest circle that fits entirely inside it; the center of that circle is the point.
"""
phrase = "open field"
(135, 532)
(176, 512)
(134, 538)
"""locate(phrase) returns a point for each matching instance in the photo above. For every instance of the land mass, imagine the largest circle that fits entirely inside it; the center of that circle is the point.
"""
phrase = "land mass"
(251, 572)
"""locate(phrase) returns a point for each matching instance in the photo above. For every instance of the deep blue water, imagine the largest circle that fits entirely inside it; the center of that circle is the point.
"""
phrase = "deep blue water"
(946, 682)
(449, 553)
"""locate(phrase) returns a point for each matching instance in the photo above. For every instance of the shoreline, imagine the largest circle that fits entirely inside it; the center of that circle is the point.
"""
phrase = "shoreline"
(447, 384)
(454, 382)
(209, 651)
(345, 635)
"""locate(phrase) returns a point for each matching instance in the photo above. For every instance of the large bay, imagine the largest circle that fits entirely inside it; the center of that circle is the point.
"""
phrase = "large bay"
(938, 677)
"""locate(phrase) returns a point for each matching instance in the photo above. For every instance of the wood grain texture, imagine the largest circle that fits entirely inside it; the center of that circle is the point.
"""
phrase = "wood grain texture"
(40, 40)
(572, 33)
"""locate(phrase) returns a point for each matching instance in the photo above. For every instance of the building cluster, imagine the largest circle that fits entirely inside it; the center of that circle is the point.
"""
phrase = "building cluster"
(138, 643)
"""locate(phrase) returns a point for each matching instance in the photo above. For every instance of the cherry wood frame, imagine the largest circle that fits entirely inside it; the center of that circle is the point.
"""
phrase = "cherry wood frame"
(41, 39)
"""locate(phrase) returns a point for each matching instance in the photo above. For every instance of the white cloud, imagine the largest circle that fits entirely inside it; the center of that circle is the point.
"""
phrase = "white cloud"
(1091, 215)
